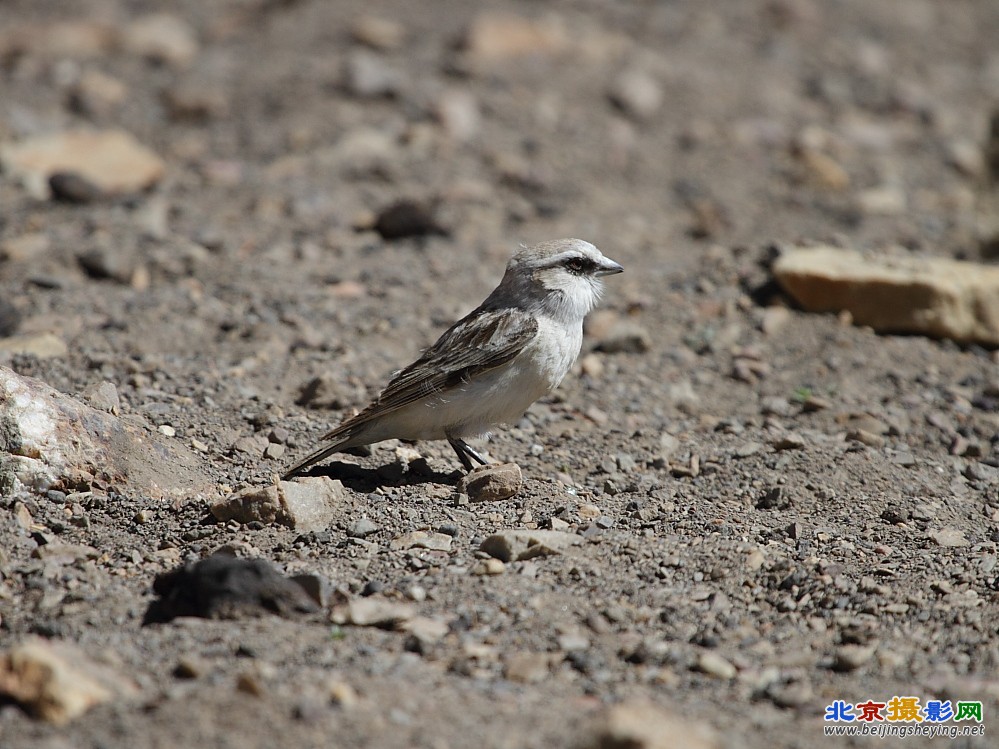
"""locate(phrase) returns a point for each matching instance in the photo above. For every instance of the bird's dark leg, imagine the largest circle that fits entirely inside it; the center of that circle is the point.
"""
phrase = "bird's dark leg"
(466, 454)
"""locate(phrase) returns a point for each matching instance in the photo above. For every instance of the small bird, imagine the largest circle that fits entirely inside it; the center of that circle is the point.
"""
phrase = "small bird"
(491, 365)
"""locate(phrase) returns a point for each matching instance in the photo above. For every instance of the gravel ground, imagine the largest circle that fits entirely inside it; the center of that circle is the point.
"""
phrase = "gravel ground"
(774, 510)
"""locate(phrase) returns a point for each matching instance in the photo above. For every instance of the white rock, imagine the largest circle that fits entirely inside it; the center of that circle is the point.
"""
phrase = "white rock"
(49, 440)
(938, 297)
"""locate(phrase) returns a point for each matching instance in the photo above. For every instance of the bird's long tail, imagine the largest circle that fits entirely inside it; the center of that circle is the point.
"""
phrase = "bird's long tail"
(345, 442)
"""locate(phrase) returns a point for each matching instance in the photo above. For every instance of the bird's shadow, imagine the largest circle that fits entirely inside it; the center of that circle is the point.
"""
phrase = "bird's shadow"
(391, 475)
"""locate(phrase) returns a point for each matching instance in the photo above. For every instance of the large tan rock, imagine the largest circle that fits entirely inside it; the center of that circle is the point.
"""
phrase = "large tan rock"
(933, 296)
(642, 725)
(111, 160)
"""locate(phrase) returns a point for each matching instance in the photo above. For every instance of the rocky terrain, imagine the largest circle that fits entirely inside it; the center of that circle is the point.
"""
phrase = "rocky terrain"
(223, 226)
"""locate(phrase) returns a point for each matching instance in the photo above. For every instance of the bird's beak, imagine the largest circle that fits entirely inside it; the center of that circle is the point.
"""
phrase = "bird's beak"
(608, 267)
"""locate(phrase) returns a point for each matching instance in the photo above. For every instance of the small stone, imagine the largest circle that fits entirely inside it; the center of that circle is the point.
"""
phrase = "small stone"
(823, 169)
(641, 725)
(161, 38)
(775, 498)
(774, 320)
(947, 537)
(495, 37)
(362, 528)
(489, 567)
(343, 694)
(793, 694)
(866, 438)
(24, 247)
(520, 545)
(249, 445)
(317, 587)
(789, 441)
(851, 657)
(491, 483)
(421, 540)
(636, 93)
(408, 218)
(527, 668)
(592, 365)
(307, 504)
(195, 103)
(190, 667)
(625, 337)
(274, 451)
(104, 397)
(39, 345)
(224, 587)
(747, 449)
(459, 115)
(97, 94)
(978, 471)
(375, 611)
(715, 665)
(167, 431)
(368, 76)
(378, 32)
(72, 187)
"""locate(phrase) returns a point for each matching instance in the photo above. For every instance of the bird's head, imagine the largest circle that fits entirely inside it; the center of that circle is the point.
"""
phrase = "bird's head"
(562, 276)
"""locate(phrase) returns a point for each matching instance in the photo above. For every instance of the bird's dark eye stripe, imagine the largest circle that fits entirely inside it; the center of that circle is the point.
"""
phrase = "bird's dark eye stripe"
(579, 265)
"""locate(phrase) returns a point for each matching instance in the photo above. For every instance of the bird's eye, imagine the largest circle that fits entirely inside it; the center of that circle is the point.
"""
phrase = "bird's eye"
(575, 265)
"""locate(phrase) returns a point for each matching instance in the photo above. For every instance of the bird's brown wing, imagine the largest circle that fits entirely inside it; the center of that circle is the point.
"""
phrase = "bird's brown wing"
(480, 341)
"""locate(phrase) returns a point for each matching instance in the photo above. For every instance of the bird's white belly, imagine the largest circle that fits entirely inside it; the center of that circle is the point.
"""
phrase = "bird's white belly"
(498, 396)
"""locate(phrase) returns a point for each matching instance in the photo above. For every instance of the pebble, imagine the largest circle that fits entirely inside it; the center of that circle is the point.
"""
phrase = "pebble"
(103, 396)
(72, 187)
(408, 218)
(637, 93)
(274, 451)
(495, 37)
(489, 567)
(637, 724)
(789, 441)
(421, 540)
(362, 528)
(625, 337)
(306, 504)
(948, 537)
(866, 438)
(458, 113)
(161, 38)
(97, 94)
(491, 483)
(851, 657)
(715, 665)
(527, 668)
(225, 587)
(368, 76)
(378, 32)
(375, 611)
(519, 545)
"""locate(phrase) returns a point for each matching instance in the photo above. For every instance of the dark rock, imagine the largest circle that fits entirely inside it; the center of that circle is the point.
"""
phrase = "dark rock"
(408, 218)
(224, 587)
(70, 187)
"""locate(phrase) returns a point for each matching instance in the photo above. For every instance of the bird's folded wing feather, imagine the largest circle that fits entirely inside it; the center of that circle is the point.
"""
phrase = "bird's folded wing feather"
(481, 341)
